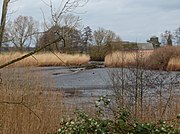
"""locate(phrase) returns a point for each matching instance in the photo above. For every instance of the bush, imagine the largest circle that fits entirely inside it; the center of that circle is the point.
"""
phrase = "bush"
(160, 58)
(98, 53)
(122, 122)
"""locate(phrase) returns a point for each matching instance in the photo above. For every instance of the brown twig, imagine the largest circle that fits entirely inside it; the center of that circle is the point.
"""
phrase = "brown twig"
(20, 103)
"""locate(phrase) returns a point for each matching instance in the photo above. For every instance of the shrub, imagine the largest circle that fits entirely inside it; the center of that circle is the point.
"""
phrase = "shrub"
(160, 58)
(122, 122)
(98, 53)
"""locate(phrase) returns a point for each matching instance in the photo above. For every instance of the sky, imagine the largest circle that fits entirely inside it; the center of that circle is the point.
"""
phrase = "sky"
(132, 20)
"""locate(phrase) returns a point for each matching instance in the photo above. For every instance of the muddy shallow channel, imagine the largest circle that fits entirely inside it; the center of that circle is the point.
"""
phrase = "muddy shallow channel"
(91, 83)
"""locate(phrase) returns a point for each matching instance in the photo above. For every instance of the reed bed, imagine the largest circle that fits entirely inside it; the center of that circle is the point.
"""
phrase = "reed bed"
(165, 58)
(45, 59)
(25, 107)
(174, 64)
(125, 58)
(30, 105)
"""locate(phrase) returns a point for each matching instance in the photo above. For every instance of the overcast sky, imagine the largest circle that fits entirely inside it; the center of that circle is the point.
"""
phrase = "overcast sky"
(132, 20)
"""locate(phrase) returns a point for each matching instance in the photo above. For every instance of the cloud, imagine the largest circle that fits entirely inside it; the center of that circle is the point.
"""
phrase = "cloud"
(157, 4)
(132, 19)
(136, 20)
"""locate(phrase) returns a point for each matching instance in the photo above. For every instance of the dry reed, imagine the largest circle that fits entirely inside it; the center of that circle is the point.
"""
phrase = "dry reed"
(124, 58)
(174, 64)
(46, 59)
(128, 59)
(25, 107)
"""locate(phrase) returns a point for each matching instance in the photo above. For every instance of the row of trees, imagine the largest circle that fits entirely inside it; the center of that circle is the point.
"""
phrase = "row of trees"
(24, 32)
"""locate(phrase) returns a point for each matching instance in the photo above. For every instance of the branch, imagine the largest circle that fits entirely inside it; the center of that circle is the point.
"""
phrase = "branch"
(20, 103)
(31, 53)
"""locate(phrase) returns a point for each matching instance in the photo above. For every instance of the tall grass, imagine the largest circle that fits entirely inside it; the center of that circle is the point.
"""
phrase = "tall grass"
(161, 57)
(164, 58)
(25, 107)
(30, 105)
(124, 58)
(46, 59)
(174, 64)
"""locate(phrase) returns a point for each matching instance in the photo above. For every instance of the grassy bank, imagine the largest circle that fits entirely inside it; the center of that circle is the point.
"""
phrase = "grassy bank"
(45, 59)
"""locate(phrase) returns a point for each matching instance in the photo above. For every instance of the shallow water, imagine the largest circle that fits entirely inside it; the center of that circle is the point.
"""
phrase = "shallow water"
(91, 83)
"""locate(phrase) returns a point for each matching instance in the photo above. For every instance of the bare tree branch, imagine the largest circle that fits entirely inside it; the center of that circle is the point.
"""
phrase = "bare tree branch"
(31, 53)
(20, 103)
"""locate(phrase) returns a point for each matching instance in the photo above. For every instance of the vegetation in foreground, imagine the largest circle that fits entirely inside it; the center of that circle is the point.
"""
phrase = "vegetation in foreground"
(43, 114)
(25, 107)
(122, 123)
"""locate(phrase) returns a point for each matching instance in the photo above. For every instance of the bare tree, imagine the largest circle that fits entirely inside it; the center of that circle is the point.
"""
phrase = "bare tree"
(177, 36)
(65, 8)
(22, 31)
(104, 38)
(3, 20)
(65, 21)
(49, 36)
(167, 38)
(67, 27)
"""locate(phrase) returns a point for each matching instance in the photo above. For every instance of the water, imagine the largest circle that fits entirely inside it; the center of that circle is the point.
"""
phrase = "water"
(92, 83)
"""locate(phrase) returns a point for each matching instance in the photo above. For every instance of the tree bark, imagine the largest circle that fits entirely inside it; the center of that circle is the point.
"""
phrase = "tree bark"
(3, 21)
